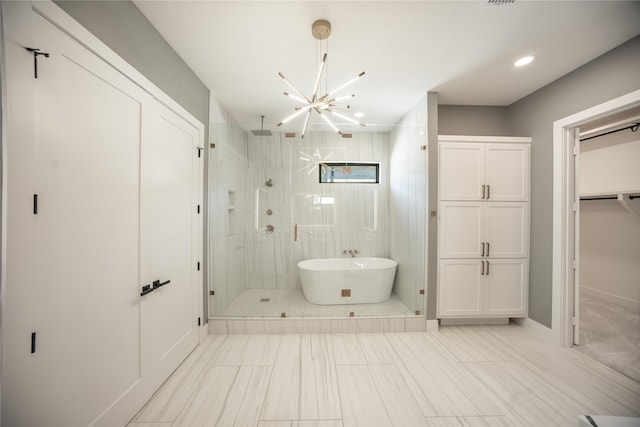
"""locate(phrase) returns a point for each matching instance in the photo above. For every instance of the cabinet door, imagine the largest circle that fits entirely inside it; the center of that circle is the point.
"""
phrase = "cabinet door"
(461, 175)
(507, 229)
(506, 287)
(461, 229)
(460, 291)
(507, 172)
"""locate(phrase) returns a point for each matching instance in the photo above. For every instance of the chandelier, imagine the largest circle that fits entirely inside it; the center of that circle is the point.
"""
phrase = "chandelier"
(327, 104)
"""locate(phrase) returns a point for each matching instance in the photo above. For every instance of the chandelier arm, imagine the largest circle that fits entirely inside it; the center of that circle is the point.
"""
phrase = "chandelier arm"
(346, 84)
(349, 119)
(320, 72)
(291, 117)
(306, 122)
(293, 87)
(326, 119)
(297, 98)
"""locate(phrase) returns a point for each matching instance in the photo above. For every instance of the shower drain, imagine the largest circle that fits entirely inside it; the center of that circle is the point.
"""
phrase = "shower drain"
(265, 299)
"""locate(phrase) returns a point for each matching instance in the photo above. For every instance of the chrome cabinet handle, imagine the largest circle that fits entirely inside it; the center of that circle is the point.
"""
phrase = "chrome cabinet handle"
(488, 192)
(482, 248)
(484, 187)
(487, 248)
(487, 268)
(482, 271)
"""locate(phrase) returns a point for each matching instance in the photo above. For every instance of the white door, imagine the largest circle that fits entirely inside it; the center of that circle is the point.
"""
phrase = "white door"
(461, 175)
(76, 258)
(507, 229)
(460, 287)
(507, 172)
(461, 229)
(506, 282)
(169, 239)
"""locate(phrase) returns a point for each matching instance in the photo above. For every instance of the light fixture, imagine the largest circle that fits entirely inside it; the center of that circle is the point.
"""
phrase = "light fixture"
(358, 114)
(326, 104)
(523, 61)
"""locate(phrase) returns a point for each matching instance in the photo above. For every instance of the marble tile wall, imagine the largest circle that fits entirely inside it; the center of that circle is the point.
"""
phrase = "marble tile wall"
(256, 181)
(408, 206)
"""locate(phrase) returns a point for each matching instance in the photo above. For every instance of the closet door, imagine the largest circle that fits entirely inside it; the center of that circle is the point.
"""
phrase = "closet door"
(506, 283)
(81, 246)
(169, 250)
(461, 287)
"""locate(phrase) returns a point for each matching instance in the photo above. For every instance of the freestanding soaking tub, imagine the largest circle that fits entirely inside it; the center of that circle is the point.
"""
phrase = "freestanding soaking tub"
(347, 280)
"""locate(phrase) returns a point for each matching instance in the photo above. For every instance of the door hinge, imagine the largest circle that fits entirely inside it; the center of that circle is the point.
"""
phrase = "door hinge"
(575, 264)
(575, 207)
(199, 151)
(212, 293)
(574, 321)
(199, 321)
(198, 265)
(36, 53)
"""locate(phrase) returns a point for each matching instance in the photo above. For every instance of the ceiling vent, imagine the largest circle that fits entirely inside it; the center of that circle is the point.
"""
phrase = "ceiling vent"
(501, 2)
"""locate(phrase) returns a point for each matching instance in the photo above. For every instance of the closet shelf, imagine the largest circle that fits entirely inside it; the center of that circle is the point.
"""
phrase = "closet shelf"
(625, 198)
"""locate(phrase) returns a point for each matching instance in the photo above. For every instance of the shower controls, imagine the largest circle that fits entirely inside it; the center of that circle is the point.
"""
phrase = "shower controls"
(269, 229)
(269, 183)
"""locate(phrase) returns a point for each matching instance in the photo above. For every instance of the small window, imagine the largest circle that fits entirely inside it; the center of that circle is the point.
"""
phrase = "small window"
(357, 173)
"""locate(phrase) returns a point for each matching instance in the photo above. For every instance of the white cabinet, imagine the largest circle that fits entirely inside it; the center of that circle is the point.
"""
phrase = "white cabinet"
(484, 171)
(483, 228)
(482, 288)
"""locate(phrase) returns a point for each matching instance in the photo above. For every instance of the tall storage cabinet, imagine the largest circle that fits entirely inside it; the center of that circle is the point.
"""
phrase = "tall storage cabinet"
(483, 227)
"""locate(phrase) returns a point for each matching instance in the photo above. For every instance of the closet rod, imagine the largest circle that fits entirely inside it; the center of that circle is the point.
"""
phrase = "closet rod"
(634, 128)
(607, 198)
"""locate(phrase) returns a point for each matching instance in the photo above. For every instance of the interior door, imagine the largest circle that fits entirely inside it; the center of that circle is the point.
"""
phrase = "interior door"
(73, 276)
(169, 234)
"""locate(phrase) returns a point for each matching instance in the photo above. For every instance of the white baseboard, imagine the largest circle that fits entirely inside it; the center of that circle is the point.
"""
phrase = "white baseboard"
(534, 327)
(616, 299)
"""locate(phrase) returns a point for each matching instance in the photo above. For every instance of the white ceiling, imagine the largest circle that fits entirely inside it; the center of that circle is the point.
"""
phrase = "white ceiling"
(464, 50)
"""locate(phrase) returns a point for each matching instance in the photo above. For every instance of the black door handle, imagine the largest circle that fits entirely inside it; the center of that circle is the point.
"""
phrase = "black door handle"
(157, 284)
(146, 289)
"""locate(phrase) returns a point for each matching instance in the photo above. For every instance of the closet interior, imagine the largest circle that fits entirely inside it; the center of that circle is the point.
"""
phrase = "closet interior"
(608, 237)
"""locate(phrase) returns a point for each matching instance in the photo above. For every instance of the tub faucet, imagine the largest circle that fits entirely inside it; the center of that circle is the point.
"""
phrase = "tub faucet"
(353, 253)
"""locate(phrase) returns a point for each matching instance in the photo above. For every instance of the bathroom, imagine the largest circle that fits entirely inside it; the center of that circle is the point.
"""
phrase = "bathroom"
(268, 212)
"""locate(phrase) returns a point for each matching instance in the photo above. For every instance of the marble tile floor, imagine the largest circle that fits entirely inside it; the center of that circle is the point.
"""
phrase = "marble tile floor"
(610, 333)
(459, 376)
(293, 303)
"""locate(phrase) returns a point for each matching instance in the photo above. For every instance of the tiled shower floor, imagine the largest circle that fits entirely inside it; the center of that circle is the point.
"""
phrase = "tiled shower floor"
(272, 303)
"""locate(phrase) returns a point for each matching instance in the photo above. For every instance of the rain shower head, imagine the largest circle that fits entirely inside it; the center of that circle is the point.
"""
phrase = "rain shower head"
(261, 131)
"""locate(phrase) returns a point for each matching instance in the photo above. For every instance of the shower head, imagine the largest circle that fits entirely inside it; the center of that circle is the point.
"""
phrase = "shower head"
(261, 131)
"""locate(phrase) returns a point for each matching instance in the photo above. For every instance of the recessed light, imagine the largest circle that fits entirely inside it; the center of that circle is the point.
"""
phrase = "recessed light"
(359, 114)
(523, 61)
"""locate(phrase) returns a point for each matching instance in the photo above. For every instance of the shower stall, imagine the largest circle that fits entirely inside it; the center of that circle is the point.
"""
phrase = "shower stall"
(269, 210)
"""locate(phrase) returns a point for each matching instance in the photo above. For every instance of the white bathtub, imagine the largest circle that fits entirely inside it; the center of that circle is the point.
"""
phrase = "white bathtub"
(367, 280)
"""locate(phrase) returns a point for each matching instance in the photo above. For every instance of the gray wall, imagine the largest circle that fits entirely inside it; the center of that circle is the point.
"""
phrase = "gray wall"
(472, 120)
(611, 75)
(432, 203)
(122, 27)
